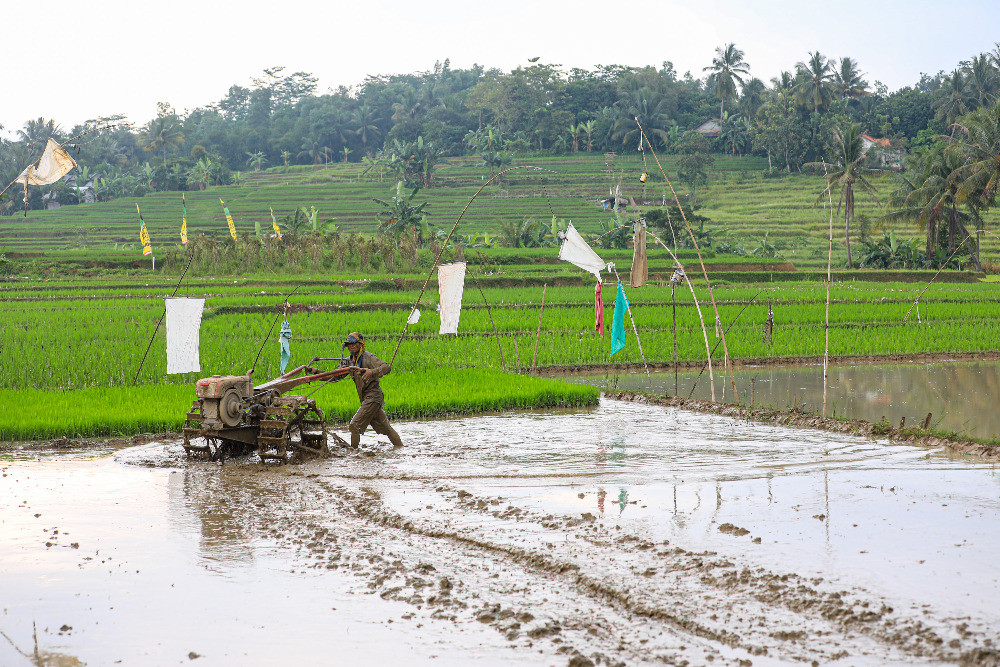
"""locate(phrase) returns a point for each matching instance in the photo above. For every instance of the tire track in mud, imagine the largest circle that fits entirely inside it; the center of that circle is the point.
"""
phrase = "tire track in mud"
(788, 590)
(651, 603)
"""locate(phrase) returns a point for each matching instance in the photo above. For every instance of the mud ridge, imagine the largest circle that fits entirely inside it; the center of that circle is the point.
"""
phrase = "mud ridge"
(924, 357)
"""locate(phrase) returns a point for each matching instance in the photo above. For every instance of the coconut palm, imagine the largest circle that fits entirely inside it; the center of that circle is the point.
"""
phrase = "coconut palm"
(955, 100)
(983, 80)
(845, 172)
(928, 196)
(646, 106)
(36, 133)
(367, 125)
(847, 80)
(727, 69)
(979, 145)
(752, 98)
(162, 133)
(784, 82)
(815, 78)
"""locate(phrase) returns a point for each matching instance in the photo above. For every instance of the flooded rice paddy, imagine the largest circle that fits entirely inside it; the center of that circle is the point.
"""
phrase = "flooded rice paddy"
(621, 534)
(961, 396)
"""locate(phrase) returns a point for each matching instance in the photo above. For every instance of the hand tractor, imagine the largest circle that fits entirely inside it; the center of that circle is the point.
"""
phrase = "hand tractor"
(233, 417)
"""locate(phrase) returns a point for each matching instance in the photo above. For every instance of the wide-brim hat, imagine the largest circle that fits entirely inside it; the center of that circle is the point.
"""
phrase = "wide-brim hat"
(353, 337)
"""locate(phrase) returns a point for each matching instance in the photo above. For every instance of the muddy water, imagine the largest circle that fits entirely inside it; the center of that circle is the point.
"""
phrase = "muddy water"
(621, 534)
(962, 396)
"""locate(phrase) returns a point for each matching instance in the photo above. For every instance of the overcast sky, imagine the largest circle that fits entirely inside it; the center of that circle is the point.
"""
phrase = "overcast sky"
(120, 56)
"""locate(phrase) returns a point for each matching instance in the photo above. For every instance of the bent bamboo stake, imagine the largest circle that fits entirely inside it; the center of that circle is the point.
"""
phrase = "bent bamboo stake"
(716, 346)
(538, 333)
(704, 271)
(628, 307)
(701, 318)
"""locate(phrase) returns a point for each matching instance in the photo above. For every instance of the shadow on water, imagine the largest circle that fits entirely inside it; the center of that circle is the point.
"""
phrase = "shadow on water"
(961, 396)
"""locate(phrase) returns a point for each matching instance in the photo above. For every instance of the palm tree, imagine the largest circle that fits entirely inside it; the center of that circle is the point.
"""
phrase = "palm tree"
(979, 145)
(36, 133)
(928, 193)
(848, 82)
(313, 150)
(727, 67)
(366, 124)
(162, 133)
(752, 98)
(982, 80)
(784, 82)
(646, 106)
(847, 171)
(815, 78)
(955, 101)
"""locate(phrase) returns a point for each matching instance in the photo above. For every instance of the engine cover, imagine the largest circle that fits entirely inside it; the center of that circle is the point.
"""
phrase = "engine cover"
(218, 385)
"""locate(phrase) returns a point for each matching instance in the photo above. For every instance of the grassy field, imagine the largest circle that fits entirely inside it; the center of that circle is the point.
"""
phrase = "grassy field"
(739, 197)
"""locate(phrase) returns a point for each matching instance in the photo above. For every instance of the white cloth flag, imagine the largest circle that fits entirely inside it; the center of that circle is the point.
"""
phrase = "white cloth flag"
(414, 316)
(53, 165)
(576, 251)
(183, 328)
(451, 284)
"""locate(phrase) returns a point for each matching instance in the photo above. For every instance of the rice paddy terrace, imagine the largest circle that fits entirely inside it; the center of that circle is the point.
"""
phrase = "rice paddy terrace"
(739, 197)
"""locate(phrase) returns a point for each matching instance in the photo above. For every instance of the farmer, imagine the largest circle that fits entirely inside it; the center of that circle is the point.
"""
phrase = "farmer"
(366, 369)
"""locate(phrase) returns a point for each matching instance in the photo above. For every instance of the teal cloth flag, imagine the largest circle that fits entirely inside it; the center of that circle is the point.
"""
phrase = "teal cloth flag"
(286, 350)
(618, 322)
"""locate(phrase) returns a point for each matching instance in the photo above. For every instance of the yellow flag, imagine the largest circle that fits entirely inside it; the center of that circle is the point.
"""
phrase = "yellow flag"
(184, 220)
(147, 249)
(274, 223)
(229, 219)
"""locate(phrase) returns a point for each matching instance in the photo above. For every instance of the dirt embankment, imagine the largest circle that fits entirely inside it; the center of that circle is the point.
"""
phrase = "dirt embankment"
(923, 358)
(796, 417)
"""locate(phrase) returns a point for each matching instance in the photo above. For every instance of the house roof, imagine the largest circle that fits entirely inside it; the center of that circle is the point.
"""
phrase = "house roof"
(884, 143)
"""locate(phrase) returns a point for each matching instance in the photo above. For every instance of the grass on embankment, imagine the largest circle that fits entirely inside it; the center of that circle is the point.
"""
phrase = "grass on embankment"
(33, 414)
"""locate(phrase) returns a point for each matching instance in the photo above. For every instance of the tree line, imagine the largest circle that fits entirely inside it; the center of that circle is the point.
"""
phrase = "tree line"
(406, 124)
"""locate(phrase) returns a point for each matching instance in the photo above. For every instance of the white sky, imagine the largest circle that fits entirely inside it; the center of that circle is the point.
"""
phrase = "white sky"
(126, 55)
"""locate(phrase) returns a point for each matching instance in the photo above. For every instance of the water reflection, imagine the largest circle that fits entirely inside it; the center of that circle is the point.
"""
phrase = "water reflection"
(961, 396)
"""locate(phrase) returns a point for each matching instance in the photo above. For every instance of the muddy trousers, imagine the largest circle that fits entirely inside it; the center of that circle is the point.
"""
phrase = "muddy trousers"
(371, 414)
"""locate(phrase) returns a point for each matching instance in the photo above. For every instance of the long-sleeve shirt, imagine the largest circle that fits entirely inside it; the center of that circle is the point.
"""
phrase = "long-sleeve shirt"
(370, 389)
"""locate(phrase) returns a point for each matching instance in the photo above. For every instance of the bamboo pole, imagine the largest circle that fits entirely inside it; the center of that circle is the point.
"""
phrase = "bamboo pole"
(701, 317)
(704, 271)
(538, 333)
(673, 300)
(829, 275)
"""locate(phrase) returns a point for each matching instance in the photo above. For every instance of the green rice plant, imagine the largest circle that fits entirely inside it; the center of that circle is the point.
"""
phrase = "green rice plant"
(33, 414)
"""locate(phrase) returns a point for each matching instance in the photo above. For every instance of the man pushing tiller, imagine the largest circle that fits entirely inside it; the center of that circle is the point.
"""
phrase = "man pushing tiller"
(366, 369)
